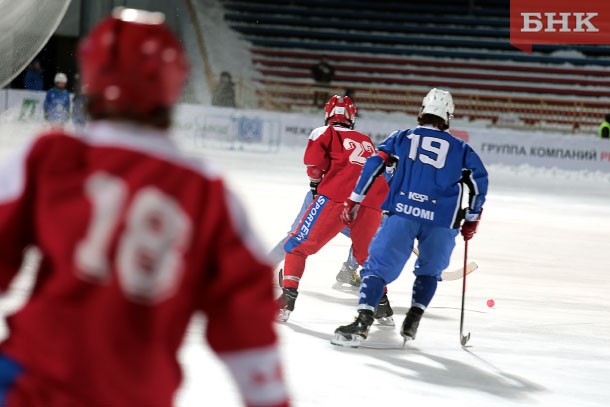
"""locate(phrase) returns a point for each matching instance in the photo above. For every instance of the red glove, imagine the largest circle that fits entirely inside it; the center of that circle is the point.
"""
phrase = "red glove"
(350, 211)
(469, 228)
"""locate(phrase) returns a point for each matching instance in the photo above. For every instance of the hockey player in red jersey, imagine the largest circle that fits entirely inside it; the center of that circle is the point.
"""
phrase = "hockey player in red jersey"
(135, 238)
(334, 157)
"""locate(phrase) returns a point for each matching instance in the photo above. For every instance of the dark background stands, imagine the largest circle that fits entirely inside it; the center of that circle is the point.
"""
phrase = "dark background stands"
(323, 73)
(604, 128)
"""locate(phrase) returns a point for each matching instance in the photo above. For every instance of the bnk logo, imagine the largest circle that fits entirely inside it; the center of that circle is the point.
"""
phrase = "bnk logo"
(559, 22)
(563, 22)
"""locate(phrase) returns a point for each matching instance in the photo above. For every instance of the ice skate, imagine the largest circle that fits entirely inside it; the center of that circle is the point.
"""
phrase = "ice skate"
(285, 303)
(384, 312)
(354, 334)
(411, 323)
(348, 278)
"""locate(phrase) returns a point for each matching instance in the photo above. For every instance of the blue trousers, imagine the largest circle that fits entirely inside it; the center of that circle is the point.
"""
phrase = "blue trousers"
(391, 248)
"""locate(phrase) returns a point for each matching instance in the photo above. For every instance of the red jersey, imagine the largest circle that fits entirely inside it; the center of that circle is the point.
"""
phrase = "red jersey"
(135, 238)
(340, 153)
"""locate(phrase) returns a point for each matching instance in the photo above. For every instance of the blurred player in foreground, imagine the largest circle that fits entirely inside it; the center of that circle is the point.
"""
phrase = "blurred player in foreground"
(135, 238)
(424, 203)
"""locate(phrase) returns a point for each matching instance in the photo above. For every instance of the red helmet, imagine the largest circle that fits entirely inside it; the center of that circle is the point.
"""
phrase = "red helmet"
(131, 63)
(340, 109)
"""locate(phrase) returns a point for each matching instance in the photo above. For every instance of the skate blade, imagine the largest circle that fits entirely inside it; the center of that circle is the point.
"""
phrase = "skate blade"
(353, 341)
(385, 321)
(280, 278)
(282, 315)
(345, 287)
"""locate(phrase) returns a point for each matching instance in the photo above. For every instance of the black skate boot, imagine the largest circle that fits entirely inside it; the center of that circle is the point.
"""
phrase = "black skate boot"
(411, 322)
(347, 276)
(285, 303)
(384, 312)
(354, 334)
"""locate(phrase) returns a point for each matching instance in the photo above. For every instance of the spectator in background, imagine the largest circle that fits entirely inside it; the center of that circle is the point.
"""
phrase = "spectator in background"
(604, 128)
(33, 77)
(323, 73)
(56, 105)
(224, 94)
(79, 101)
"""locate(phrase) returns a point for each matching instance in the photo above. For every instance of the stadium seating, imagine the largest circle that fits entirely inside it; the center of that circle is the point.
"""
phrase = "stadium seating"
(390, 53)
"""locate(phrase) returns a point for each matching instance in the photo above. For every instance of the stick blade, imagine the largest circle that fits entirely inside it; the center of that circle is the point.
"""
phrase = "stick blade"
(459, 273)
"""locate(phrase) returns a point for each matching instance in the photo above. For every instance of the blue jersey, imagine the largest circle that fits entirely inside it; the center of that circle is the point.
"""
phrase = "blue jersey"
(57, 105)
(427, 185)
(33, 80)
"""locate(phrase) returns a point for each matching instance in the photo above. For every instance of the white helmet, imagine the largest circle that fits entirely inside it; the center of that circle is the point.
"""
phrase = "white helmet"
(61, 77)
(439, 103)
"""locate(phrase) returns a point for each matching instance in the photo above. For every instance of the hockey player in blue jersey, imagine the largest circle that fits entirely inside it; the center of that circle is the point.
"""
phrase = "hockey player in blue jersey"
(424, 203)
(56, 104)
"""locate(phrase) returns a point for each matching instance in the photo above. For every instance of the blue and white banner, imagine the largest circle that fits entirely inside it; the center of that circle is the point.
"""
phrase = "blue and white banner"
(496, 146)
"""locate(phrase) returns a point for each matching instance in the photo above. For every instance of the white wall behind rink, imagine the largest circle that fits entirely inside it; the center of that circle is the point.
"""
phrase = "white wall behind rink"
(205, 126)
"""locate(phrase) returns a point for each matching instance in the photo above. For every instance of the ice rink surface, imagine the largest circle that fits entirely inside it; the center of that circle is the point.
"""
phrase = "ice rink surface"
(542, 248)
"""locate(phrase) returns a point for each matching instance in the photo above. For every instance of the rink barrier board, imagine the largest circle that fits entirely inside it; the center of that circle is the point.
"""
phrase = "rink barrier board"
(201, 127)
